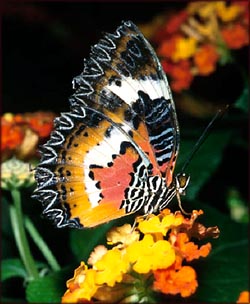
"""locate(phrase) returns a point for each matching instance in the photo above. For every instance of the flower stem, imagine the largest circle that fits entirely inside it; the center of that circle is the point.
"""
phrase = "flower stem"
(41, 244)
(16, 217)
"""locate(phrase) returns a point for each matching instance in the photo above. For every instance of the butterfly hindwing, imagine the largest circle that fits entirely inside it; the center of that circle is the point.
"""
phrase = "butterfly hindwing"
(86, 167)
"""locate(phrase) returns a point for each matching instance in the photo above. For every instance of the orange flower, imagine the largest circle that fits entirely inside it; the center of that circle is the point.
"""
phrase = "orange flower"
(172, 281)
(205, 59)
(235, 36)
(20, 133)
(11, 136)
(244, 297)
(168, 47)
(191, 42)
(180, 73)
(189, 250)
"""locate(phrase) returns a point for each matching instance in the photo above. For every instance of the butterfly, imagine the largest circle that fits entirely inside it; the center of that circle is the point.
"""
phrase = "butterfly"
(114, 153)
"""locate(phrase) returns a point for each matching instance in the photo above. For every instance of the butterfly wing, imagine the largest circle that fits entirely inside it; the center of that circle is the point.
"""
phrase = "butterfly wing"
(122, 128)
(86, 166)
(124, 72)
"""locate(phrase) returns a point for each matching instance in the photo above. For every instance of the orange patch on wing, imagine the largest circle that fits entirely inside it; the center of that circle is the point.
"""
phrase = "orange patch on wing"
(116, 178)
(113, 181)
(70, 171)
(100, 214)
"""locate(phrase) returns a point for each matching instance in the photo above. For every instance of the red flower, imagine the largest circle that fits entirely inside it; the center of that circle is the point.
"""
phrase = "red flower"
(11, 136)
(175, 22)
(41, 123)
(235, 36)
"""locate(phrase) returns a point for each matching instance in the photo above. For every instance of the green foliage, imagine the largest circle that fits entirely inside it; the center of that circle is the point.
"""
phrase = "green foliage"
(48, 289)
(206, 160)
(12, 268)
(242, 102)
(83, 241)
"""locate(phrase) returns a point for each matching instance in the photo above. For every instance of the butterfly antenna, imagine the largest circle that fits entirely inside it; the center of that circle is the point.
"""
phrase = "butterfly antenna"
(219, 114)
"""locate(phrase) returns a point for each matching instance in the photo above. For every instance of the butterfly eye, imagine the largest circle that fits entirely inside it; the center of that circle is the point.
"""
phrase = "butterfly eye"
(182, 181)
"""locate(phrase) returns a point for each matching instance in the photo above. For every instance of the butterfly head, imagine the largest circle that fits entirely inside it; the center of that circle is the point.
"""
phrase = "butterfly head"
(181, 182)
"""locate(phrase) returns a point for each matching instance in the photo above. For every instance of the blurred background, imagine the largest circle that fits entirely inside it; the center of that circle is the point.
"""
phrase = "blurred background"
(43, 47)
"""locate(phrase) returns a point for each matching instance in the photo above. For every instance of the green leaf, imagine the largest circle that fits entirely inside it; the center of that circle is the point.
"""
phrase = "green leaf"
(48, 289)
(12, 268)
(224, 273)
(242, 101)
(83, 241)
(205, 161)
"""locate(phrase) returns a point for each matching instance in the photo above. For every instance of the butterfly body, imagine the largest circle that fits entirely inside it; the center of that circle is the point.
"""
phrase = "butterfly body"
(114, 153)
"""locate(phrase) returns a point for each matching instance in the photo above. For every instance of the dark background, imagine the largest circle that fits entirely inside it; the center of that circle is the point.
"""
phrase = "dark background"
(44, 45)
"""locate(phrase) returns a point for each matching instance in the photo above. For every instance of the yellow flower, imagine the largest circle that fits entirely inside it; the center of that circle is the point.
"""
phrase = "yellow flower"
(226, 12)
(185, 48)
(122, 236)
(207, 28)
(16, 174)
(82, 286)
(160, 224)
(146, 255)
(204, 9)
(111, 267)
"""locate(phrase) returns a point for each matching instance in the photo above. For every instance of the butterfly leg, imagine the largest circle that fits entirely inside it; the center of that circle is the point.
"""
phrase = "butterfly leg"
(180, 205)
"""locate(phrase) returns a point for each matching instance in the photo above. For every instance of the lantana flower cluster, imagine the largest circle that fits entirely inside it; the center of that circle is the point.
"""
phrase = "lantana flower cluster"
(139, 262)
(193, 41)
(21, 133)
(16, 174)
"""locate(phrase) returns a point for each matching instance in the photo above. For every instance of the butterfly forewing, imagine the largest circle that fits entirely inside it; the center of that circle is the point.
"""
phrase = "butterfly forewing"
(118, 142)
(130, 77)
